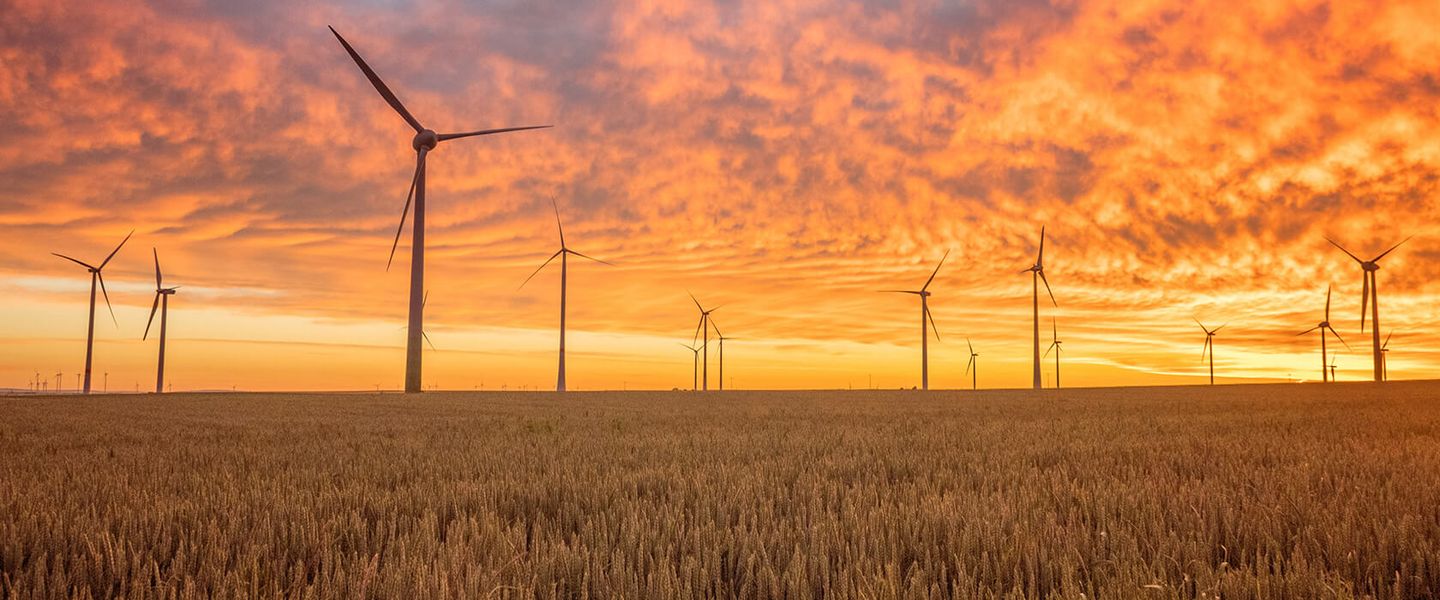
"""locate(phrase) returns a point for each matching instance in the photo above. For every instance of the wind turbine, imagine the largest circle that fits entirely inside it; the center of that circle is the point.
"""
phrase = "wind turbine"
(972, 368)
(1371, 295)
(424, 142)
(927, 322)
(1210, 346)
(1332, 367)
(721, 337)
(564, 253)
(1055, 345)
(694, 366)
(704, 325)
(162, 302)
(1323, 327)
(95, 276)
(1385, 357)
(1037, 276)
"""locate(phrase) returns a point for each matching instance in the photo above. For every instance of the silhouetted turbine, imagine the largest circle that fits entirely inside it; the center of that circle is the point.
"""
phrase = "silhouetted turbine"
(704, 325)
(1371, 294)
(1385, 357)
(1037, 272)
(162, 302)
(927, 322)
(564, 253)
(425, 141)
(694, 366)
(972, 368)
(1210, 346)
(1323, 327)
(95, 276)
(721, 338)
(1055, 345)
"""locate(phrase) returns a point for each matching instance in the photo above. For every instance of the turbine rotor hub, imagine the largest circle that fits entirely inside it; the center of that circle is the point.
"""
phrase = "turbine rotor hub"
(1370, 266)
(426, 139)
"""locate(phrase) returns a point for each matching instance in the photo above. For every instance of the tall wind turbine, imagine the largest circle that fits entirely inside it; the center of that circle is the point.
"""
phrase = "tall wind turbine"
(972, 368)
(1055, 345)
(704, 326)
(694, 366)
(1323, 327)
(1209, 346)
(564, 253)
(162, 302)
(425, 141)
(95, 276)
(927, 322)
(1371, 295)
(1037, 275)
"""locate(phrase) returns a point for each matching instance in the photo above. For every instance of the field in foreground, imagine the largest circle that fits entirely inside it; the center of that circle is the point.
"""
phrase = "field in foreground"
(1254, 491)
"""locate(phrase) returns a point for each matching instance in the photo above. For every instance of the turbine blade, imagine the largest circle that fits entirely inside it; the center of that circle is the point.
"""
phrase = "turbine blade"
(117, 249)
(937, 271)
(933, 327)
(157, 268)
(107, 297)
(1392, 249)
(1342, 340)
(410, 195)
(897, 292)
(153, 306)
(971, 346)
(1047, 289)
(1327, 303)
(1364, 301)
(696, 337)
(556, 206)
(537, 270)
(385, 92)
(1202, 325)
(427, 340)
(1040, 258)
(1342, 249)
(697, 302)
(1387, 340)
(1307, 331)
(425, 300)
(1047, 350)
(451, 136)
(1205, 348)
(74, 261)
(968, 365)
(603, 262)
(717, 329)
(1217, 329)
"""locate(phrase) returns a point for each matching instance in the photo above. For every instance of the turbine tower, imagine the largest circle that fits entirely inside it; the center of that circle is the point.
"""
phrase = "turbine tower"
(1371, 295)
(564, 254)
(424, 142)
(1209, 346)
(95, 276)
(721, 338)
(1055, 345)
(1037, 276)
(162, 302)
(1323, 327)
(703, 325)
(927, 322)
(972, 368)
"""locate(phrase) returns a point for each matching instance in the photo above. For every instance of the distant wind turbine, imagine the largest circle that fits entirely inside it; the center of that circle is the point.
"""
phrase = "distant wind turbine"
(162, 302)
(1055, 345)
(1371, 295)
(564, 253)
(1332, 367)
(1385, 357)
(694, 366)
(703, 326)
(972, 368)
(927, 322)
(95, 276)
(1037, 276)
(1323, 327)
(1209, 346)
(721, 337)
(425, 141)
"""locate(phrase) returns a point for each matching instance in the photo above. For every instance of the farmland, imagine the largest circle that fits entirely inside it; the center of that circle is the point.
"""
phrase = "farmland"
(1233, 491)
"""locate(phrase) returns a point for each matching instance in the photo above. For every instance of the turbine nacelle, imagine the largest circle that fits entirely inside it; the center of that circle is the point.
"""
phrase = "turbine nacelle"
(427, 139)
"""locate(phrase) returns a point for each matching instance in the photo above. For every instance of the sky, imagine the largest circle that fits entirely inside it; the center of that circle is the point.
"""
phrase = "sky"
(785, 160)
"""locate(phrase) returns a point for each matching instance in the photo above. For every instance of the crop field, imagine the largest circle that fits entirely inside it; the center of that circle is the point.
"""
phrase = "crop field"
(1263, 491)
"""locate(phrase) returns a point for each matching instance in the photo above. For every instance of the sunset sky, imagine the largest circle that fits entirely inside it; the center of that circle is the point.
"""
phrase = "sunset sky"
(784, 159)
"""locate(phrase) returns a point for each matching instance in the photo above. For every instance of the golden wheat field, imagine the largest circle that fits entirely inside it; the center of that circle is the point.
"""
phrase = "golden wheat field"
(1273, 491)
